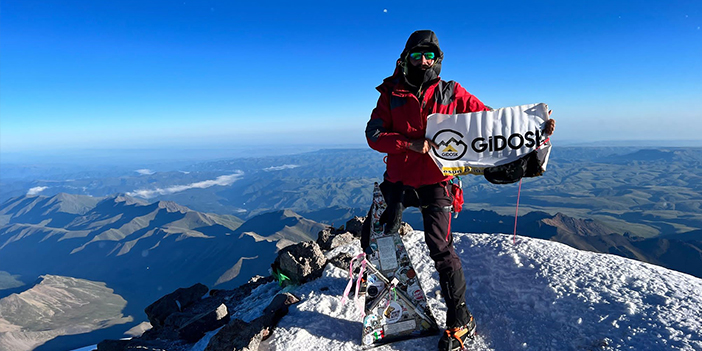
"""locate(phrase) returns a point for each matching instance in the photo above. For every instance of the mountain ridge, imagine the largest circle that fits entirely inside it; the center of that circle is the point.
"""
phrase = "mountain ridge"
(138, 248)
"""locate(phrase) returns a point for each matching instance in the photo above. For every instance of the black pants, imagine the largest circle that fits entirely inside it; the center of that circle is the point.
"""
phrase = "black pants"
(435, 202)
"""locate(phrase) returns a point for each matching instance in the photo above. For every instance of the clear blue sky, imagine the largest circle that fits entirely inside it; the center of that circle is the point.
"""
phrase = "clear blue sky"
(123, 74)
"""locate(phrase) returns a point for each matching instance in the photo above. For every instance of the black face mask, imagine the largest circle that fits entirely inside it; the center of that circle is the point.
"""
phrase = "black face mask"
(415, 75)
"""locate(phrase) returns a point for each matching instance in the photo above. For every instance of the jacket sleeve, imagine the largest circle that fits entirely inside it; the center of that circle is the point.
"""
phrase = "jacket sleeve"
(466, 102)
(379, 132)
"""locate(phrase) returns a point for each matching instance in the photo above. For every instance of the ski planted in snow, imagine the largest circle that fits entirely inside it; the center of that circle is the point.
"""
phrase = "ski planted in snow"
(395, 304)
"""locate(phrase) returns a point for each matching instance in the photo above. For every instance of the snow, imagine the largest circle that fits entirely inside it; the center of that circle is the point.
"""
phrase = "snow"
(535, 295)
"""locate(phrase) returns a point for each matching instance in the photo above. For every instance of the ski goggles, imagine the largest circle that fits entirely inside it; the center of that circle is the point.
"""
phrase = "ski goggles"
(418, 55)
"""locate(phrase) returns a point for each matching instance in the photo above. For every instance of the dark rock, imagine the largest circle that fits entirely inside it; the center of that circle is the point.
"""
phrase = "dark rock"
(341, 239)
(112, 345)
(330, 238)
(140, 345)
(237, 336)
(259, 278)
(163, 333)
(242, 291)
(301, 262)
(217, 292)
(324, 238)
(177, 319)
(354, 225)
(181, 327)
(279, 306)
(241, 336)
(195, 328)
(273, 313)
(176, 301)
(342, 260)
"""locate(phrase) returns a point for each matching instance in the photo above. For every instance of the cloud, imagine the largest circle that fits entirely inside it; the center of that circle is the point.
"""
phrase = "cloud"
(145, 171)
(221, 181)
(36, 190)
(280, 168)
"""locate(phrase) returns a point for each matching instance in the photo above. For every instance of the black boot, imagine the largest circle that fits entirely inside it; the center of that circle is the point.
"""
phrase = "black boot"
(453, 288)
(454, 339)
(460, 324)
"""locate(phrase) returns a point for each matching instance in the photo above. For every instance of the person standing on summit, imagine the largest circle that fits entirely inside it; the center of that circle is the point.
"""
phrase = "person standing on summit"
(397, 127)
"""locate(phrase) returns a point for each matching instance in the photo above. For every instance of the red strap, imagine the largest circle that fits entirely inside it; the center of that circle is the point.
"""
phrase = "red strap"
(543, 143)
(458, 202)
(448, 232)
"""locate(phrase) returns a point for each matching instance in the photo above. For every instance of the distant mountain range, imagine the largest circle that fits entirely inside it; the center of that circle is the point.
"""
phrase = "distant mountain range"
(646, 192)
(139, 249)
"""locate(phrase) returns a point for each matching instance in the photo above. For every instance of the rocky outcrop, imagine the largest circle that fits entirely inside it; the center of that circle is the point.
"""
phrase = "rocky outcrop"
(183, 317)
(176, 301)
(141, 345)
(301, 262)
(342, 260)
(324, 238)
(330, 238)
(180, 327)
(354, 225)
(241, 336)
(195, 328)
(237, 335)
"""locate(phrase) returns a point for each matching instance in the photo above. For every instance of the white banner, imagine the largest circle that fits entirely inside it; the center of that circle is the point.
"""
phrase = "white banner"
(470, 142)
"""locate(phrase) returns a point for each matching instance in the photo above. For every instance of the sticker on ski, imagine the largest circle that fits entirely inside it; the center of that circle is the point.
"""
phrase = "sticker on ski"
(395, 305)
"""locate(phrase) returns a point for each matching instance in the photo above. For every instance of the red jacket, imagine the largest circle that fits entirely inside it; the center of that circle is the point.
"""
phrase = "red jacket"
(400, 117)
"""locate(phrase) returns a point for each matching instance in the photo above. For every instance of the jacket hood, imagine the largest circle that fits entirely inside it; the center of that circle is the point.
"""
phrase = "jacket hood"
(421, 40)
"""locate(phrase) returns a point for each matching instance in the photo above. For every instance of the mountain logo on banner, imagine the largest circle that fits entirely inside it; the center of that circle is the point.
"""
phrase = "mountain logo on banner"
(451, 145)
(450, 149)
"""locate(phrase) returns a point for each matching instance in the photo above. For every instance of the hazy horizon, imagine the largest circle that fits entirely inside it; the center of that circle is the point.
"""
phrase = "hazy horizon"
(105, 75)
(188, 154)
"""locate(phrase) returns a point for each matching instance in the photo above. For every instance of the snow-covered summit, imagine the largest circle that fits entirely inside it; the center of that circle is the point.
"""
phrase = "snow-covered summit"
(532, 295)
